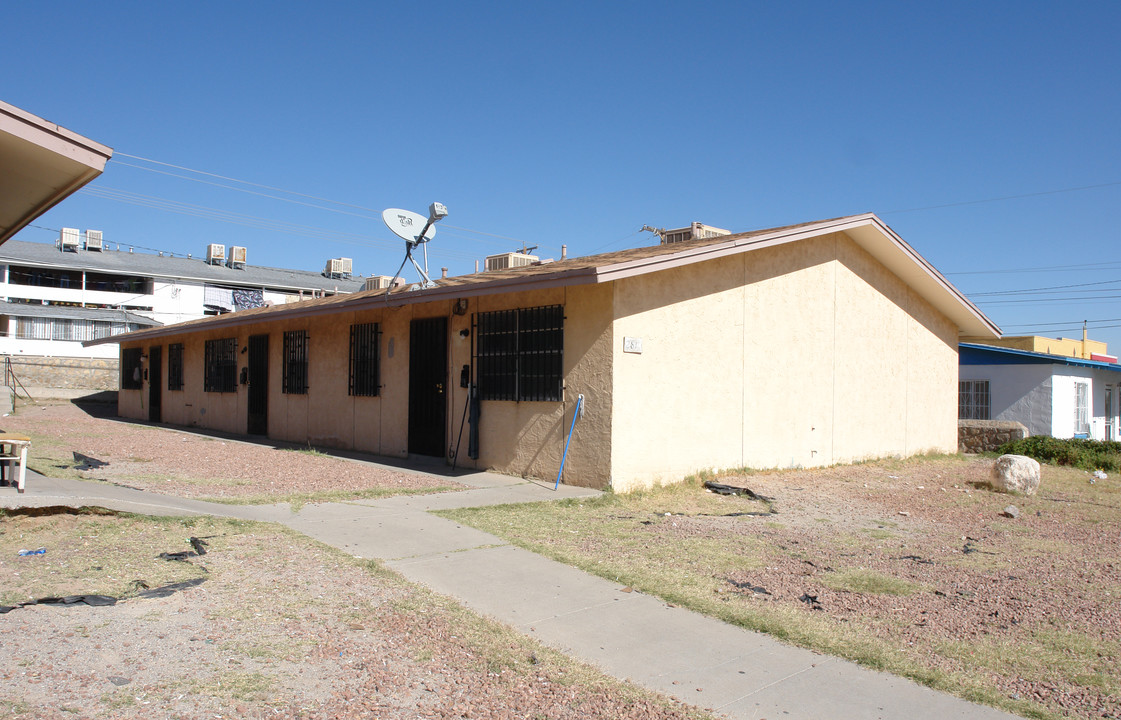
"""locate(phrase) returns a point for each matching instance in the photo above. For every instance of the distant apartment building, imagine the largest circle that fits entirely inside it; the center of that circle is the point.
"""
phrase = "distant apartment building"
(55, 296)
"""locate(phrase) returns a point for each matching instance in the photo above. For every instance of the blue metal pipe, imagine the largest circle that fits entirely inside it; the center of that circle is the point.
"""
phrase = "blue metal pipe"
(575, 414)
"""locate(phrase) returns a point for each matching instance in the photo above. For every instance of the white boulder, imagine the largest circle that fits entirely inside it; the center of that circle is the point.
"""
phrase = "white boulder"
(1015, 473)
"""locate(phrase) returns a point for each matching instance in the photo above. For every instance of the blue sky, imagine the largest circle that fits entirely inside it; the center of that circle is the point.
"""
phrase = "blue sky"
(986, 134)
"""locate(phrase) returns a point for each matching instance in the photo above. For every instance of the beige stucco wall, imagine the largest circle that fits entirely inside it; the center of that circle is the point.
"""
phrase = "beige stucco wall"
(809, 353)
(522, 438)
(806, 354)
(527, 438)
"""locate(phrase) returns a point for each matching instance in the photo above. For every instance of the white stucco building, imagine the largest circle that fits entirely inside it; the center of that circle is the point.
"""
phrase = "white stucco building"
(54, 296)
(1063, 397)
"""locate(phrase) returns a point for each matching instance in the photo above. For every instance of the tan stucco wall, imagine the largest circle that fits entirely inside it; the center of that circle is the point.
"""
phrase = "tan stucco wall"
(522, 438)
(805, 354)
(527, 438)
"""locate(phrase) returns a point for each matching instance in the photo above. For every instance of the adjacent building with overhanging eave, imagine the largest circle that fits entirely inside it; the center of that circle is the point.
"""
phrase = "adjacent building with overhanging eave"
(1051, 394)
(751, 349)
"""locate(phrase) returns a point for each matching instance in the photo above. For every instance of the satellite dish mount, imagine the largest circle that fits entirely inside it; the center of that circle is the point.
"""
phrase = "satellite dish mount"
(404, 224)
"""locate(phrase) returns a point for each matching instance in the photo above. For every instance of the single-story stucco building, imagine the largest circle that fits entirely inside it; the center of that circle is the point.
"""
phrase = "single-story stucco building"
(806, 345)
(1050, 394)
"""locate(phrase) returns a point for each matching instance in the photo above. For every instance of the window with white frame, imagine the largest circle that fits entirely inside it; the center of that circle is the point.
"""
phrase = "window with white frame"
(1081, 408)
(973, 400)
(65, 329)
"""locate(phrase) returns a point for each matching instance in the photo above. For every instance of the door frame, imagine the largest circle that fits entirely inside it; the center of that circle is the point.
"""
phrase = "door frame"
(155, 383)
(428, 386)
(256, 380)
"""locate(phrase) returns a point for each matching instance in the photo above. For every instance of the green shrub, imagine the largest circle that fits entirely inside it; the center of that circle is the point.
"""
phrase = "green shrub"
(1076, 452)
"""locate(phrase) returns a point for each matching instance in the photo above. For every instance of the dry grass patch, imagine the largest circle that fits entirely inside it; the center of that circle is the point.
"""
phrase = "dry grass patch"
(916, 572)
(280, 626)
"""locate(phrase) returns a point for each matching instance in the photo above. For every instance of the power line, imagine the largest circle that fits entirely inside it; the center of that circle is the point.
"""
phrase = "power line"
(1006, 197)
(250, 192)
(282, 190)
(1068, 322)
(1105, 265)
(226, 216)
(1048, 301)
(1042, 289)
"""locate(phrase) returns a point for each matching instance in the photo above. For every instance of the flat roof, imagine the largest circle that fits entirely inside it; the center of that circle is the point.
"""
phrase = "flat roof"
(981, 354)
(866, 230)
(41, 164)
(48, 255)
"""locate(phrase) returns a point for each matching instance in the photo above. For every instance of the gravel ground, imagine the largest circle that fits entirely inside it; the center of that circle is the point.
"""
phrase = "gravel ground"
(280, 627)
(909, 566)
(1036, 599)
(192, 465)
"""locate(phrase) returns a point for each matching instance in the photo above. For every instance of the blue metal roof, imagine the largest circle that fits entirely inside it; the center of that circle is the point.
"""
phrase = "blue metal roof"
(973, 354)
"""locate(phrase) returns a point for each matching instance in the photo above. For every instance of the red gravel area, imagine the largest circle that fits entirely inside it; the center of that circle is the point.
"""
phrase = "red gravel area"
(185, 464)
(1033, 600)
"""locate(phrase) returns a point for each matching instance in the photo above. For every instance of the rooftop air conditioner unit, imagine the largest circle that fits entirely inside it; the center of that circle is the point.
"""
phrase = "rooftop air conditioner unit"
(339, 268)
(237, 257)
(68, 239)
(505, 261)
(378, 282)
(695, 231)
(94, 240)
(215, 253)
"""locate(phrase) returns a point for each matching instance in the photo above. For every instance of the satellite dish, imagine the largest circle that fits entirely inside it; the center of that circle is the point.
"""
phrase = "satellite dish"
(408, 225)
(415, 230)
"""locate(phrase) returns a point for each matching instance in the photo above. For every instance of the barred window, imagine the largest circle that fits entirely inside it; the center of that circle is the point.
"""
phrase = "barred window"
(1081, 409)
(364, 354)
(295, 362)
(520, 353)
(221, 365)
(175, 366)
(130, 369)
(973, 400)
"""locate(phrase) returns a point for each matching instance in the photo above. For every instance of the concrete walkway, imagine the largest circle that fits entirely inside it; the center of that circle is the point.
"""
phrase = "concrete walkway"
(696, 659)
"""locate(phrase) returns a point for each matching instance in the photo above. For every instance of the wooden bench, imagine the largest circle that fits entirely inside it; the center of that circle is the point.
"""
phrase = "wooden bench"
(13, 449)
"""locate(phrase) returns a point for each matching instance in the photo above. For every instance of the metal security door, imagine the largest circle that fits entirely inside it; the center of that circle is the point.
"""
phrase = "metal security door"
(257, 378)
(155, 383)
(428, 376)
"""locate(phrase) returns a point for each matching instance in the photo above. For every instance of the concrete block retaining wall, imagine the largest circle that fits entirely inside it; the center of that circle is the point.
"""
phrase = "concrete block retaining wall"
(64, 373)
(976, 436)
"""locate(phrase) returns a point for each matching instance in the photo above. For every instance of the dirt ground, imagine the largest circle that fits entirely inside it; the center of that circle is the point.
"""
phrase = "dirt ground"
(277, 626)
(908, 566)
(91, 442)
(1028, 608)
(1036, 599)
(271, 624)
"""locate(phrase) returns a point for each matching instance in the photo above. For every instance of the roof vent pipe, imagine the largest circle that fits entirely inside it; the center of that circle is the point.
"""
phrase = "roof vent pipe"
(564, 252)
(443, 272)
(476, 266)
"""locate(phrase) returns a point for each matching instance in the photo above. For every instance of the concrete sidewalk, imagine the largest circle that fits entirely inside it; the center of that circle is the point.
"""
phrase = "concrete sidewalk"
(694, 658)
